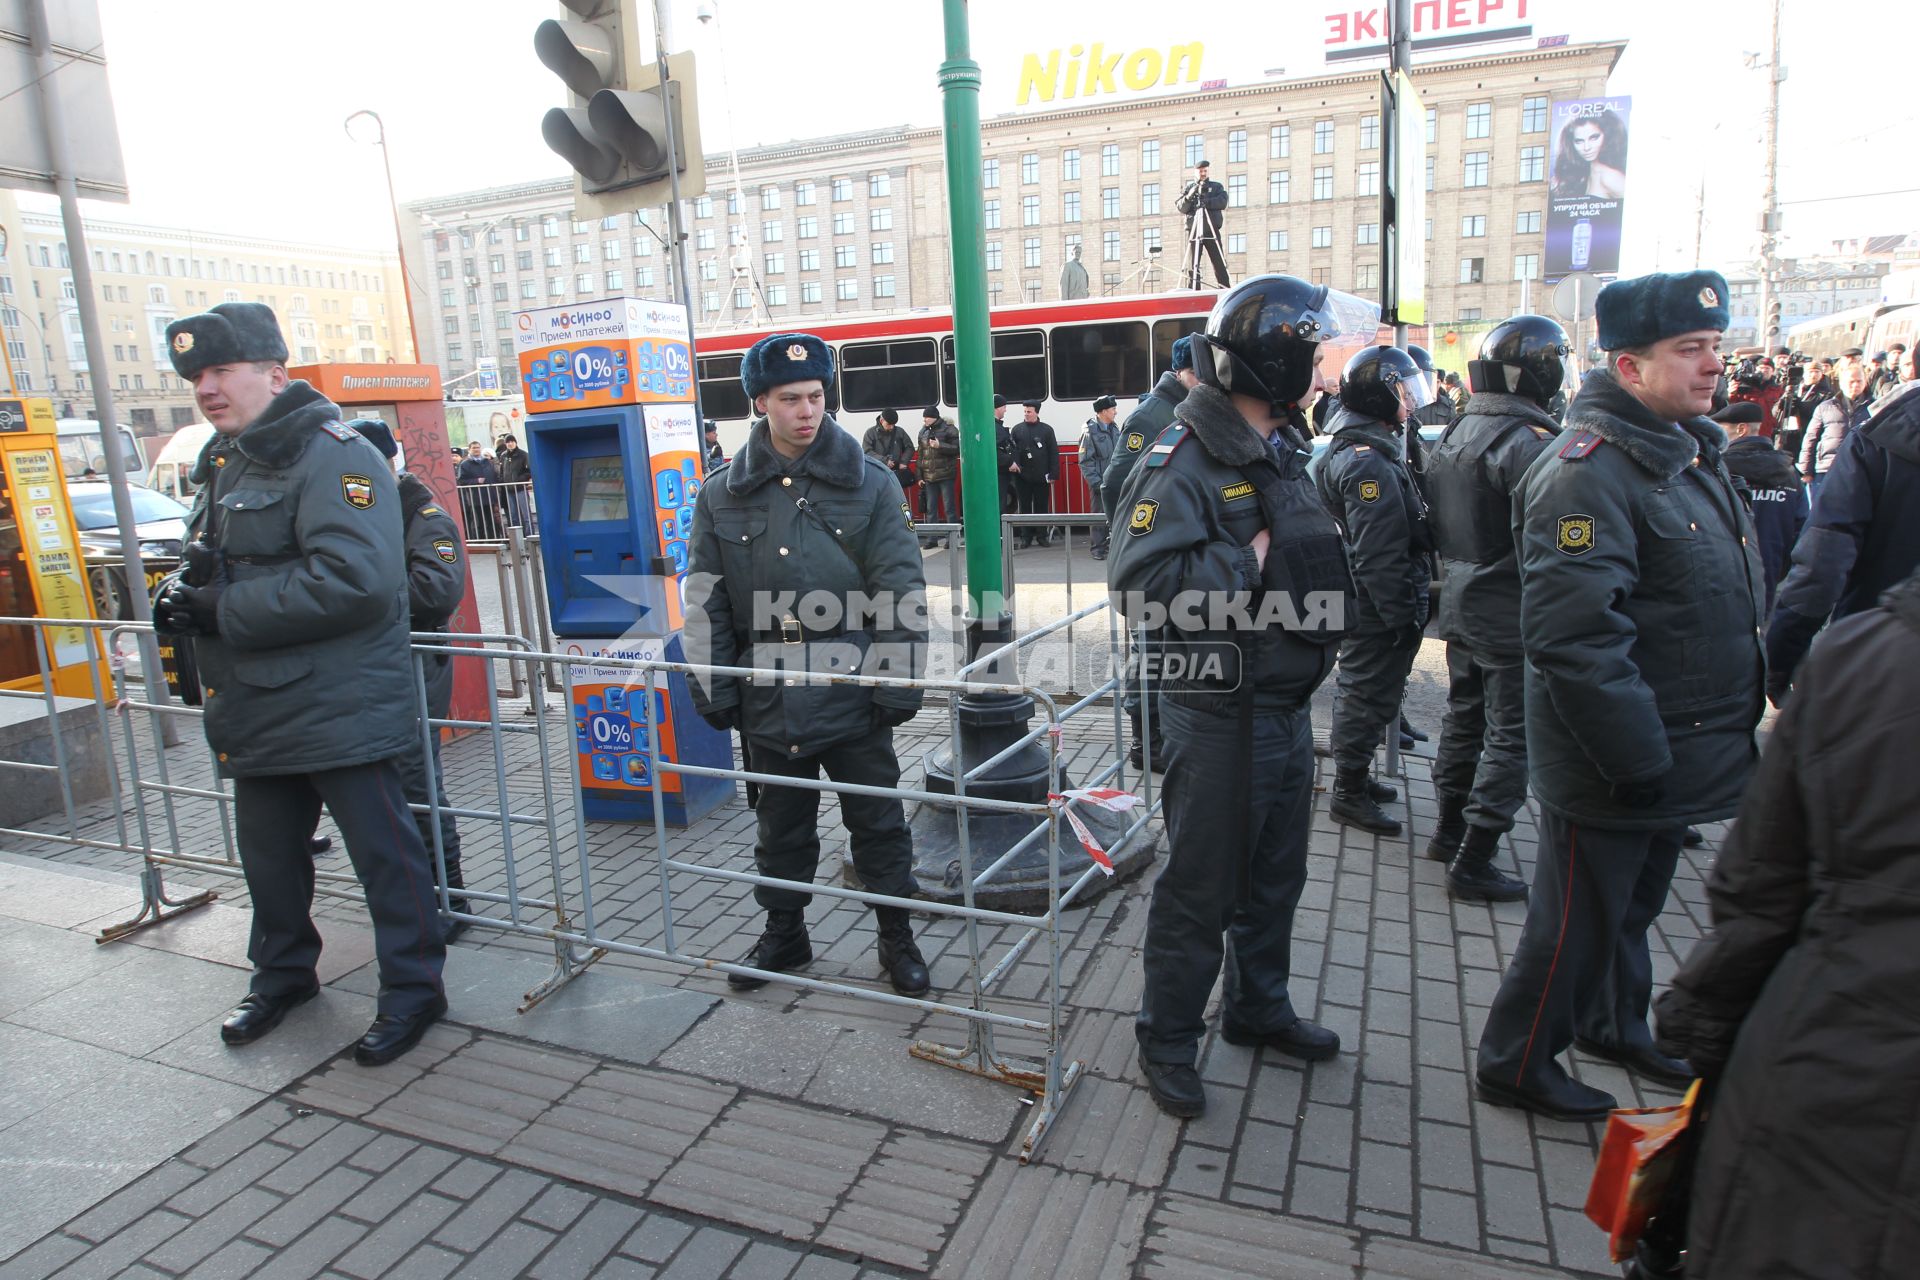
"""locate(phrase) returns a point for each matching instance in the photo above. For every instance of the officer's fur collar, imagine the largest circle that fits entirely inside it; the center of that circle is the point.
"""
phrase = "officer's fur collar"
(834, 457)
(1504, 404)
(1209, 413)
(1607, 409)
(278, 437)
(1904, 600)
(1170, 388)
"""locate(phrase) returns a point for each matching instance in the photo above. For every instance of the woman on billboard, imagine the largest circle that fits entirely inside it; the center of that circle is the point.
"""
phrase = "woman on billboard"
(1591, 159)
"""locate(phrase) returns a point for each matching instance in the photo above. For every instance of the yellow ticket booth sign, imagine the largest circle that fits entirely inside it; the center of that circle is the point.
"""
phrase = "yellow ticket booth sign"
(42, 573)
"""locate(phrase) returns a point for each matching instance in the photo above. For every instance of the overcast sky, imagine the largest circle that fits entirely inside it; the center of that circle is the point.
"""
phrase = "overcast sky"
(231, 111)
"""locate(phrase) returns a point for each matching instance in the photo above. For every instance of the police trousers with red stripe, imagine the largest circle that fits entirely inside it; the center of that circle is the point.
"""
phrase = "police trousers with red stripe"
(1581, 968)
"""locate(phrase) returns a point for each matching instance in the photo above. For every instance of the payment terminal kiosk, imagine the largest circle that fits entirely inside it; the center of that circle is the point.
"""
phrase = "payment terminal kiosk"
(615, 452)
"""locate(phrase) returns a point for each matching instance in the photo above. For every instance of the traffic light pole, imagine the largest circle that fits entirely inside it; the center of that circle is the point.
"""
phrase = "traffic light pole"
(1769, 331)
(671, 136)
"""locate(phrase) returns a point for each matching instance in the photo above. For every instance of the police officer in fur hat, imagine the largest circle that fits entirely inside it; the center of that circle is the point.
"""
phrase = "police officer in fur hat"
(1640, 600)
(801, 513)
(297, 602)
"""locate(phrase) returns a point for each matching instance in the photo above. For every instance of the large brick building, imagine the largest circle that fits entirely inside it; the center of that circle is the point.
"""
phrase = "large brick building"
(858, 222)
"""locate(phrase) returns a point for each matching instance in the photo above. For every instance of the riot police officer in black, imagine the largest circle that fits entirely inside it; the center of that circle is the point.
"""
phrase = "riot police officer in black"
(1366, 483)
(1480, 769)
(1228, 546)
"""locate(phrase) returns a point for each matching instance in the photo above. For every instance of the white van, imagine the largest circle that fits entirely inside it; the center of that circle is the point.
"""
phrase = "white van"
(172, 469)
(80, 450)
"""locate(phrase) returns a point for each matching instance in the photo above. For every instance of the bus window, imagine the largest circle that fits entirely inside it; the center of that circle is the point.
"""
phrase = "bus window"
(1168, 332)
(1019, 366)
(721, 395)
(882, 375)
(1094, 360)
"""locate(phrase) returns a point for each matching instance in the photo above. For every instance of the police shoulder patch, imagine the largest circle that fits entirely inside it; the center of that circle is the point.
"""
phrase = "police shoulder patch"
(1141, 521)
(1574, 535)
(1579, 444)
(443, 547)
(1363, 448)
(1231, 492)
(1369, 491)
(907, 511)
(358, 491)
(431, 511)
(1135, 442)
(339, 431)
(1163, 447)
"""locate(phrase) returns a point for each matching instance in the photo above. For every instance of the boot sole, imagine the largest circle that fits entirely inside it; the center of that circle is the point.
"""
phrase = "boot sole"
(1486, 895)
(740, 982)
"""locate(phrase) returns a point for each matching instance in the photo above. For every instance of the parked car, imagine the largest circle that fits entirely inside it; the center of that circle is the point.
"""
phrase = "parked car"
(159, 521)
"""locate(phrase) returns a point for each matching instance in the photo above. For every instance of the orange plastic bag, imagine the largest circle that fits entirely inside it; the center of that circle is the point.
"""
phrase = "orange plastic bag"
(1637, 1157)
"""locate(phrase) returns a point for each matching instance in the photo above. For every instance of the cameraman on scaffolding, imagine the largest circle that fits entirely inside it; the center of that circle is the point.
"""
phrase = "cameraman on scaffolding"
(1201, 202)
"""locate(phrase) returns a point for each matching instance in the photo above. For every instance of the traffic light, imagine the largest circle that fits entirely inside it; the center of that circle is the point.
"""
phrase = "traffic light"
(1770, 330)
(614, 132)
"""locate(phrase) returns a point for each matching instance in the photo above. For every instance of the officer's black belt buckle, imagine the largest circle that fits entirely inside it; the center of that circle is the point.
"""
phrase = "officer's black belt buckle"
(790, 631)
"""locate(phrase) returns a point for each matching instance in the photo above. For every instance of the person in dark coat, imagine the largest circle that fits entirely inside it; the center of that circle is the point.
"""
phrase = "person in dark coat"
(1201, 203)
(1480, 767)
(1098, 441)
(1803, 1003)
(1849, 407)
(801, 512)
(516, 482)
(939, 451)
(713, 454)
(1862, 538)
(1036, 461)
(479, 482)
(1366, 483)
(1640, 600)
(1003, 450)
(893, 449)
(1776, 495)
(297, 604)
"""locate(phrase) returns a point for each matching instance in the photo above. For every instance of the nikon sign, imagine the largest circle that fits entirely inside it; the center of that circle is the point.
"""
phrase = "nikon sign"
(1091, 70)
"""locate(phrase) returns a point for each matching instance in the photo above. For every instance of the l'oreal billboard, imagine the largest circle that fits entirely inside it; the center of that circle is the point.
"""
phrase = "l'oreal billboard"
(1587, 185)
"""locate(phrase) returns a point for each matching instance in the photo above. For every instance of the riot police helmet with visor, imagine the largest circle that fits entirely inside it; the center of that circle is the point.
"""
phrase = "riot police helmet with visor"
(1527, 356)
(1262, 335)
(1385, 384)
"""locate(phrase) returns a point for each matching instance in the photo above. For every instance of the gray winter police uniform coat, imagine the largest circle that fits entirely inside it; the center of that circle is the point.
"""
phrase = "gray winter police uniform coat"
(1641, 598)
(1366, 484)
(832, 521)
(1140, 429)
(310, 670)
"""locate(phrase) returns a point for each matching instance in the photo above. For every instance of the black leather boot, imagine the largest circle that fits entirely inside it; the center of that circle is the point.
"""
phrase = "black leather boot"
(783, 947)
(1380, 792)
(900, 958)
(1474, 878)
(1447, 832)
(1352, 805)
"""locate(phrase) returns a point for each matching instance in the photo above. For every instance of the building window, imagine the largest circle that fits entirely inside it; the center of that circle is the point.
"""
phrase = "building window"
(1366, 275)
(702, 207)
(1480, 120)
(1473, 224)
(583, 283)
(1533, 115)
(992, 211)
(1236, 146)
(1150, 156)
(809, 291)
(615, 282)
(882, 253)
(803, 193)
(703, 238)
(1469, 314)
(809, 259)
(500, 290)
(1029, 211)
(806, 229)
(846, 290)
(1150, 199)
(879, 185)
(1029, 168)
(1237, 191)
(771, 232)
(842, 190)
(1320, 275)
(1323, 182)
(776, 295)
(710, 300)
(528, 290)
(1110, 160)
(1323, 137)
(995, 256)
(843, 224)
(1110, 247)
(1279, 187)
(1236, 242)
(989, 173)
(1526, 266)
(1430, 172)
(1472, 270)
(1149, 240)
(582, 253)
(1277, 241)
(1366, 233)
(1110, 202)
(845, 255)
(1196, 148)
(1369, 132)
(775, 264)
(1533, 164)
(1433, 124)
(1527, 222)
(880, 219)
(556, 286)
(1070, 207)
(1030, 251)
(1475, 172)
(883, 287)
(1070, 165)
(1280, 142)
(769, 197)
(1323, 237)
(1366, 179)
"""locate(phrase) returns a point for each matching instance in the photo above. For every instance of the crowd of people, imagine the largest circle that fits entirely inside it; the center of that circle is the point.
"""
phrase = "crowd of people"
(496, 488)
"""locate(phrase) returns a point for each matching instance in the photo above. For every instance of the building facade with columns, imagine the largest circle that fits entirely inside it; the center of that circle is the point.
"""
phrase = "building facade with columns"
(857, 223)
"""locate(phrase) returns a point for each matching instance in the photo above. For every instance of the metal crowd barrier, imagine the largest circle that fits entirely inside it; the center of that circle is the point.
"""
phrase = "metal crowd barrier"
(489, 510)
(561, 903)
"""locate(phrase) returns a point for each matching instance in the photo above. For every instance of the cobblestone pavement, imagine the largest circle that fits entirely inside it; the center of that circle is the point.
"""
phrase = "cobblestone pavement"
(646, 1120)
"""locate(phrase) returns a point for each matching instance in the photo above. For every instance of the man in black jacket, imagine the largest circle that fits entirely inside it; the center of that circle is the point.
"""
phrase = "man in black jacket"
(1480, 768)
(1776, 495)
(1365, 482)
(1036, 461)
(801, 512)
(1201, 202)
(1003, 452)
(1640, 595)
(516, 481)
(1228, 543)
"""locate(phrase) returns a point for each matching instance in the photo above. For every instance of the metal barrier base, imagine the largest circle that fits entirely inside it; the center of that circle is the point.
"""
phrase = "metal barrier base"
(155, 907)
(565, 969)
(979, 1059)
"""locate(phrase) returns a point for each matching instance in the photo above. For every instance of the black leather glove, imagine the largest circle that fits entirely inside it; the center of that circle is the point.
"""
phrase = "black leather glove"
(725, 719)
(1779, 685)
(885, 717)
(1644, 794)
(189, 611)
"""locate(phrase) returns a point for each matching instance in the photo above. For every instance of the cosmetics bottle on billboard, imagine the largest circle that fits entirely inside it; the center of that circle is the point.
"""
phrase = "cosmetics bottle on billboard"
(1582, 244)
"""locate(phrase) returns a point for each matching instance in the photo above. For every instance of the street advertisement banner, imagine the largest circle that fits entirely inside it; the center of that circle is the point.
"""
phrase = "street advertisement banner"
(1587, 185)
